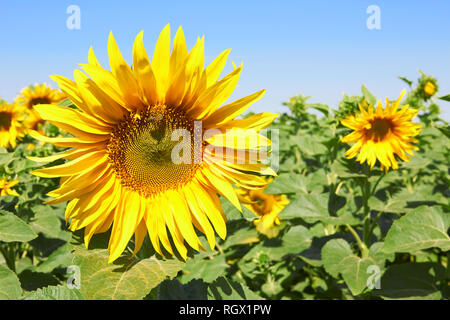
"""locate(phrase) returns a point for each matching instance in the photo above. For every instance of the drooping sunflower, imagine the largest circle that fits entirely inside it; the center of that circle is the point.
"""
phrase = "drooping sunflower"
(382, 134)
(263, 205)
(11, 126)
(5, 187)
(123, 172)
(34, 95)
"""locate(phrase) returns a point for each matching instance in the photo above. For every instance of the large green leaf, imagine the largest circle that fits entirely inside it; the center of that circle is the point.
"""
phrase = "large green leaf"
(313, 208)
(206, 266)
(123, 279)
(61, 257)
(54, 293)
(12, 228)
(310, 145)
(423, 228)
(288, 183)
(9, 284)
(45, 221)
(414, 281)
(338, 258)
(296, 240)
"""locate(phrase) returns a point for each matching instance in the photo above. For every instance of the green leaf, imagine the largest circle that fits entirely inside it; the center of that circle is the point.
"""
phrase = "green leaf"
(12, 228)
(424, 227)
(313, 208)
(6, 158)
(45, 221)
(224, 289)
(9, 284)
(232, 212)
(338, 258)
(344, 172)
(206, 266)
(124, 279)
(445, 98)
(412, 281)
(296, 240)
(445, 131)
(325, 109)
(67, 103)
(61, 257)
(54, 293)
(310, 145)
(174, 290)
(288, 183)
(409, 82)
(368, 96)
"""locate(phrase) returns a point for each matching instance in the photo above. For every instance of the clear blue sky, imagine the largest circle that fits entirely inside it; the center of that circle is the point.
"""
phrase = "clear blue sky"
(318, 48)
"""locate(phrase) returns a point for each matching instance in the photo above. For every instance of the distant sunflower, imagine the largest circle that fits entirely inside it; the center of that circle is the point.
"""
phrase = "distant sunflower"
(122, 171)
(11, 127)
(5, 187)
(382, 134)
(429, 88)
(34, 95)
(265, 206)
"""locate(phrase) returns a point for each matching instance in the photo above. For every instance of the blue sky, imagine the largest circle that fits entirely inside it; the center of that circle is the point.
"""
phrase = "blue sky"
(317, 48)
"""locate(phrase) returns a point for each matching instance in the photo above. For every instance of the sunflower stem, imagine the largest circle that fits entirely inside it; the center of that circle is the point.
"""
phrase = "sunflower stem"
(377, 182)
(361, 245)
(366, 193)
(372, 224)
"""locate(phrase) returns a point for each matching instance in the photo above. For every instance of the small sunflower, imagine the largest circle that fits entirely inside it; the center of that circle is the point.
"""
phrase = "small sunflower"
(5, 187)
(265, 206)
(122, 171)
(11, 126)
(34, 95)
(382, 134)
(429, 88)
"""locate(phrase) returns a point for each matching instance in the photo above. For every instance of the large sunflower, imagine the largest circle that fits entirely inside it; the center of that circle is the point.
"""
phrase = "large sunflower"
(37, 94)
(382, 134)
(123, 171)
(11, 127)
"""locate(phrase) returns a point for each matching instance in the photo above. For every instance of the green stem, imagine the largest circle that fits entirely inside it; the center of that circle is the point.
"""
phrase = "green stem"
(365, 190)
(361, 245)
(376, 183)
(368, 224)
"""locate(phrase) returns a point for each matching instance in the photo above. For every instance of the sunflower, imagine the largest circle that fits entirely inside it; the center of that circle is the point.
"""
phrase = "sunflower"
(11, 126)
(382, 134)
(265, 206)
(128, 172)
(5, 187)
(34, 95)
(429, 88)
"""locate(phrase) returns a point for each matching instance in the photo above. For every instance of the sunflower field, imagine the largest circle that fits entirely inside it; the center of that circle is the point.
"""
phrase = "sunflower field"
(91, 208)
